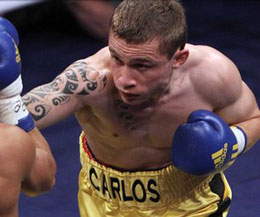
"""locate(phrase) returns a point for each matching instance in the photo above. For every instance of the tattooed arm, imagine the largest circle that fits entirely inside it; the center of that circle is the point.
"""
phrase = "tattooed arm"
(66, 94)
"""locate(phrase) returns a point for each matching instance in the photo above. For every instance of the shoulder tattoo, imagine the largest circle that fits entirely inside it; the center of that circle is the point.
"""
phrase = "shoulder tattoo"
(78, 79)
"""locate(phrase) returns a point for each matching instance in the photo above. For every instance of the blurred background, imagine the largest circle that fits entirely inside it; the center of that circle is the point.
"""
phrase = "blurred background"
(55, 33)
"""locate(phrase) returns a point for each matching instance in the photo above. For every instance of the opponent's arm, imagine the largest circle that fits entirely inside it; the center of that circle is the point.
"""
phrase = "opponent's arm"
(14, 112)
(66, 94)
(41, 177)
(17, 157)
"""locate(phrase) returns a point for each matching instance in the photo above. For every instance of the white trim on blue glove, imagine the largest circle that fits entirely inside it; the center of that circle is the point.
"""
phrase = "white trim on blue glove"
(241, 139)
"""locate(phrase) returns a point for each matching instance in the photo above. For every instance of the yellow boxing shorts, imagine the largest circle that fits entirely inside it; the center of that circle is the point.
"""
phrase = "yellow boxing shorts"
(166, 192)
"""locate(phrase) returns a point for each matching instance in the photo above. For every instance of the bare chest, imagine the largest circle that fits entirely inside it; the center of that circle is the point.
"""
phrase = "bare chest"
(116, 123)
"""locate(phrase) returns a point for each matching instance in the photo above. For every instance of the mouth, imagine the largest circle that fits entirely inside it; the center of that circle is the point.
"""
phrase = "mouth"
(129, 96)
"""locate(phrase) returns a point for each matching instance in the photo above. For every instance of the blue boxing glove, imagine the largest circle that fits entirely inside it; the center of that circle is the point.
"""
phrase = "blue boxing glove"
(7, 27)
(206, 144)
(12, 109)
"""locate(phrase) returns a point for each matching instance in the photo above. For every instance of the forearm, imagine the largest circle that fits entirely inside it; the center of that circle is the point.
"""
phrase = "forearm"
(42, 174)
(252, 130)
(44, 106)
(48, 105)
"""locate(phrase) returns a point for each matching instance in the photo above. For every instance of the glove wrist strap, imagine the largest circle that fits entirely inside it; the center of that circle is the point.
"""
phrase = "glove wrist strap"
(241, 138)
(14, 112)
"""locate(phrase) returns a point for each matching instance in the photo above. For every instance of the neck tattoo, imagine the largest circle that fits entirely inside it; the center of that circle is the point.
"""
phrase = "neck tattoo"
(124, 115)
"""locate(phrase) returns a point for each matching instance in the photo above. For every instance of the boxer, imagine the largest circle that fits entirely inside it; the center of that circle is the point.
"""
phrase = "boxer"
(161, 118)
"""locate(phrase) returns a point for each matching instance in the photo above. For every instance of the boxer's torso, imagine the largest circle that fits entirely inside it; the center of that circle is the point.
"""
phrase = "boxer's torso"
(140, 138)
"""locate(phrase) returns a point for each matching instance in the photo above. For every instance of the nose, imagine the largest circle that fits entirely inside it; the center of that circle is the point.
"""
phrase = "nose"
(126, 79)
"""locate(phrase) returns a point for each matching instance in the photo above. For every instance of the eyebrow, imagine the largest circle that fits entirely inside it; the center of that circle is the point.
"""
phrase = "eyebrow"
(142, 60)
(135, 60)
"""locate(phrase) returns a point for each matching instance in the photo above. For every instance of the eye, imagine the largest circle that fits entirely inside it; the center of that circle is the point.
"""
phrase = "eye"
(116, 59)
(140, 66)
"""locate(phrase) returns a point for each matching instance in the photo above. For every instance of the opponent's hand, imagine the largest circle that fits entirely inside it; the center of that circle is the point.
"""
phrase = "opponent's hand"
(10, 66)
(206, 144)
(12, 109)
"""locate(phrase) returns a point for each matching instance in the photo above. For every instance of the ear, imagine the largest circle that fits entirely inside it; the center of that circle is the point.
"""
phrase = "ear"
(180, 57)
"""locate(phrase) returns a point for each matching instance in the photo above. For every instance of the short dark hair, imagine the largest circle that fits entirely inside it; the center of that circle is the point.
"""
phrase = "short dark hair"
(138, 21)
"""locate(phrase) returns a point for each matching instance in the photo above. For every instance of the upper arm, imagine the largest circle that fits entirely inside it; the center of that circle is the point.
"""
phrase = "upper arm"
(230, 97)
(17, 154)
(220, 84)
(66, 94)
(234, 101)
(42, 174)
(244, 112)
(242, 109)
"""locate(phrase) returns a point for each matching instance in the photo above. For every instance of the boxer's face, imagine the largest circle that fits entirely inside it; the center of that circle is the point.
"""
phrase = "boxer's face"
(140, 72)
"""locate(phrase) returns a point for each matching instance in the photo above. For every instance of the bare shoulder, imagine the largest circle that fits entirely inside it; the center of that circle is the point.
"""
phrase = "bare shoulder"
(100, 57)
(214, 76)
(90, 77)
(90, 73)
(77, 86)
(81, 81)
(99, 60)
